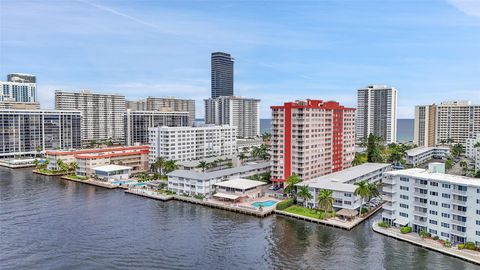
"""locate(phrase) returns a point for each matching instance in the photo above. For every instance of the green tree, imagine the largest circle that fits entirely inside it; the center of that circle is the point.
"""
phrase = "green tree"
(170, 166)
(359, 159)
(477, 145)
(457, 150)
(362, 190)
(158, 165)
(374, 149)
(203, 165)
(266, 136)
(36, 163)
(448, 163)
(325, 201)
(290, 184)
(304, 193)
(242, 156)
(374, 190)
(72, 166)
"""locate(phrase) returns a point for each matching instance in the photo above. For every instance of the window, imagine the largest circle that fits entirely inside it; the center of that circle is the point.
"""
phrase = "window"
(431, 221)
(445, 235)
(445, 215)
(403, 214)
(402, 205)
(432, 231)
(445, 195)
(347, 194)
(403, 188)
(433, 193)
(434, 203)
(445, 225)
(434, 184)
(404, 179)
(433, 212)
(462, 188)
(446, 185)
(445, 205)
(478, 222)
(405, 197)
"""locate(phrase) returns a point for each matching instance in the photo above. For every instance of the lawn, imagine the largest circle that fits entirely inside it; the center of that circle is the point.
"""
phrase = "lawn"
(307, 212)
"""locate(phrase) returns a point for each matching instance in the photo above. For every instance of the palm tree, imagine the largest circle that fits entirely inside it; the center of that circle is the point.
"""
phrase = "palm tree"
(242, 156)
(457, 150)
(36, 163)
(72, 166)
(264, 152)
(291, 182)
(170, 166)
(359, 159)
(158, 165)
(448, 163)
(304, 193)
(477, 145)
(374, 190)
(362, 190)
(203, 165)
(256, 152)
(266, 136)
(325, 201)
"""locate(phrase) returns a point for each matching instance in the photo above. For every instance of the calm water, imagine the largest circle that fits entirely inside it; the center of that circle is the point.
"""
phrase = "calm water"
(404, 128)
(48, 223)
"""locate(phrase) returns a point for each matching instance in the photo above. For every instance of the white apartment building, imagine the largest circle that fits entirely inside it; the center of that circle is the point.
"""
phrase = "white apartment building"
(447, 206)
(102, 114)
(30, 132)
(18, 88)
(190, 143)
(470, 149)
(377, 113)
(243, 113)
(171, 104)
(421, 155)
(342, 184)
(201, 183)
(473, 152)
(137, 123)
(311, 138)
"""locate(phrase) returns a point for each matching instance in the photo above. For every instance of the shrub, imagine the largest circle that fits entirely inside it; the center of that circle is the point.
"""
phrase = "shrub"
(199, 197)
(435, 237)
(383, 224)
(285, 204)
(470, 245)
(447, 243)
(461, 246)
(405, 229)
(423, 234)
(363, 211)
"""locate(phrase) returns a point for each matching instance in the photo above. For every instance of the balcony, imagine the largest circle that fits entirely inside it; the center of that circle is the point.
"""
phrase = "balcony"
(388, 207)
(459, 192)
(420, 204)
(388, 181)
(418, 194)
(458, 222)
(418, 185)
(458, 202)
(388, 198)
(389, 190)
(455, 232)
(419, 213)
(460, 213)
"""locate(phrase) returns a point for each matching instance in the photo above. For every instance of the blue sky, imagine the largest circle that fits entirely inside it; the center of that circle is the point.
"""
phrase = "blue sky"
(284, 50)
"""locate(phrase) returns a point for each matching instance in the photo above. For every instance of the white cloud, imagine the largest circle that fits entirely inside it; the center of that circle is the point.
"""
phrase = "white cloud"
(469, 7)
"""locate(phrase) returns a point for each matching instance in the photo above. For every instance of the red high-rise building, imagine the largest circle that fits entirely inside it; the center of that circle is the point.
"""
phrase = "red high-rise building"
(311, 138)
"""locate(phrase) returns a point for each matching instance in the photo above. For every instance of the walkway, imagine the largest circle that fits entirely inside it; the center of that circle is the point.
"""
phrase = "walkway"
(464, 254)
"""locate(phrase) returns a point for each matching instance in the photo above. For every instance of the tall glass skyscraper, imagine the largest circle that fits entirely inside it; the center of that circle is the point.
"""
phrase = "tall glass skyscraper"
(222, 74)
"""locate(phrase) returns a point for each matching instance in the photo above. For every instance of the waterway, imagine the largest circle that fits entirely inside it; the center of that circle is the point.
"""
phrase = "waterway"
(49, 223)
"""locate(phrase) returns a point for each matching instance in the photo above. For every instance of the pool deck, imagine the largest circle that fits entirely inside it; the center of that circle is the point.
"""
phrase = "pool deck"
(412, 238)
(332, 222)
(150, 194)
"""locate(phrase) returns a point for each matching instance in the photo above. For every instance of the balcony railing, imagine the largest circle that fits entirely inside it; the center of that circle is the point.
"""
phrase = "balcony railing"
(460, 192)
(458, 222)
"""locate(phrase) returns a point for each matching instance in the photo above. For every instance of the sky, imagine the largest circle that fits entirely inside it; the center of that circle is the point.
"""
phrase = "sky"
(284, 50)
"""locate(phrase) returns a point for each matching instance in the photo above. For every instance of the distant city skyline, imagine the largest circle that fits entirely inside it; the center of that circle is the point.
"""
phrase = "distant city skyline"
(428, 50)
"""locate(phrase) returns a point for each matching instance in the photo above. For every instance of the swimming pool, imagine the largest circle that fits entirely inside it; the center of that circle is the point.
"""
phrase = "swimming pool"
(264, 204)
(140, 184)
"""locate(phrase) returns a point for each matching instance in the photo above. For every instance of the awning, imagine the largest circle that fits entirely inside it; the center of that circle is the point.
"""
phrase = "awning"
(226, 196)
(401, 221)
(347, 213)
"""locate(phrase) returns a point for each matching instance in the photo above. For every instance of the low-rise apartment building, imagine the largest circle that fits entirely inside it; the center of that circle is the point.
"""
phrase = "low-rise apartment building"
(421, 155)
(201, 183)
(191, 143)
(342, 184)
(135, 157)
(444, 205)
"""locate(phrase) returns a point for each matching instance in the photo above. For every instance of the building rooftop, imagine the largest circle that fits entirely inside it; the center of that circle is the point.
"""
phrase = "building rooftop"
(442, 177)
(194, 163)
(422, 149)
(219, 173)
(339, 180)
(240, 183)
(111, 168)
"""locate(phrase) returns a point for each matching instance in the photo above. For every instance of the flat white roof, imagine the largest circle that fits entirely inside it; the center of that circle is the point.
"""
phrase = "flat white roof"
(421, 150)
(111, 168)
(442, 177)
(338, 180)
(240, 183)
